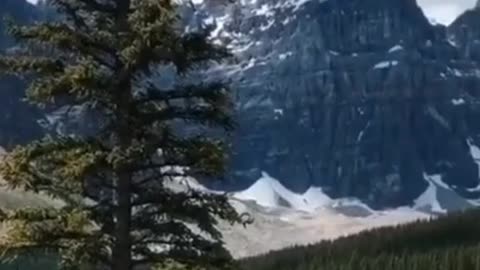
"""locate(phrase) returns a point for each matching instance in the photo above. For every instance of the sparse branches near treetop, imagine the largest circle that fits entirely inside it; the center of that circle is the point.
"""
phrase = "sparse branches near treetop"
(119, 197)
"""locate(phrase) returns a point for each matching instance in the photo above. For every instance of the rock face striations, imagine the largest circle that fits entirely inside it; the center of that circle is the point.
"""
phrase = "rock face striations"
(363, 98)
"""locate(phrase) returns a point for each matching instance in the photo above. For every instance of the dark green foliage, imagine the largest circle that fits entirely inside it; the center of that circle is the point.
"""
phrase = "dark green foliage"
(449, 243)
(41, 262)
(121, 201)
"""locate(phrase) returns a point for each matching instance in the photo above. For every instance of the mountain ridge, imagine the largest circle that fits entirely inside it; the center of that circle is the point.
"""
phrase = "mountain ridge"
(355, 97)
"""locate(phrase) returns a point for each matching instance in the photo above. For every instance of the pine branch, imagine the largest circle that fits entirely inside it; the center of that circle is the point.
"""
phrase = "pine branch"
(210, 92)
(84, 5)
(29, 64)
(67, 39)
(209, 116)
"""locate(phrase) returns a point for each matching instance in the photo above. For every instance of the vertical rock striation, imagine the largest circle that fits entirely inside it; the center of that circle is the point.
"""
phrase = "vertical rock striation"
(360, 97)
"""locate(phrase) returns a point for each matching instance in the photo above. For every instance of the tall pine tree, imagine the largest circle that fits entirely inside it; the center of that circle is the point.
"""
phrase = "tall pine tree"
(124, 199)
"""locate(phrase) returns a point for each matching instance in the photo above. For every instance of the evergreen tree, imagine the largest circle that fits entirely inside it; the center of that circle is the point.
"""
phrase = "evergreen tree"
(122, 199)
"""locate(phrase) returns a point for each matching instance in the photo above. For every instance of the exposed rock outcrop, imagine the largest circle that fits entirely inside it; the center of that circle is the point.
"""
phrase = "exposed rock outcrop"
(360, 97)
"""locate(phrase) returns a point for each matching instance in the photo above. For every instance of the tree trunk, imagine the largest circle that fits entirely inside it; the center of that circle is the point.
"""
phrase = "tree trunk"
(122, 250)
(122, 255)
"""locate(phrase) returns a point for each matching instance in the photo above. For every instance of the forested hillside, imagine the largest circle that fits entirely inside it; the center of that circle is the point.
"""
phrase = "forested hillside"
(449, 243)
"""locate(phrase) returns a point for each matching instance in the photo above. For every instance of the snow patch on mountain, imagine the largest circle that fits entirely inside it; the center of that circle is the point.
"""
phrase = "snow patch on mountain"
(475, 153)
(458, 101)
(269, 192)
(440, 197)
(428, 200)
(275, 228)
(385, 64)
(395, 48)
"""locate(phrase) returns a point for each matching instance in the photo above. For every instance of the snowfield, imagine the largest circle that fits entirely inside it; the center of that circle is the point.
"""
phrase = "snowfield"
(283, 218)
(276, 229)
(269, 192)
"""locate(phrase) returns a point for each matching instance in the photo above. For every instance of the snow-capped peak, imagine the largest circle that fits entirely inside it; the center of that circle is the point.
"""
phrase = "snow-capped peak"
(269, 192)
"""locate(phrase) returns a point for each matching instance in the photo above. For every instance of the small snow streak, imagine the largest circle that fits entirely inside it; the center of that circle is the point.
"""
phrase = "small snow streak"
(385, 64)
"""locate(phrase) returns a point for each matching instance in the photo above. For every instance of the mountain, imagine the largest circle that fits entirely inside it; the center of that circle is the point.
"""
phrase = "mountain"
(360, 98)
(352, 114)
(345, 109)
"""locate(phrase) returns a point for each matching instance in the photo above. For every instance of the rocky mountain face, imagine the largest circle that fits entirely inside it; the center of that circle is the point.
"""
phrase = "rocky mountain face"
(363, 98)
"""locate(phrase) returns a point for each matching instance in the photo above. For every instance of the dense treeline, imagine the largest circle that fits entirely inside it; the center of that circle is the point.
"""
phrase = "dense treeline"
(450, 242)
(457, 258)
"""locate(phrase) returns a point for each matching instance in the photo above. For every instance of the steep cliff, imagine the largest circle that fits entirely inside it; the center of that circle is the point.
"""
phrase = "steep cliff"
(360, 97)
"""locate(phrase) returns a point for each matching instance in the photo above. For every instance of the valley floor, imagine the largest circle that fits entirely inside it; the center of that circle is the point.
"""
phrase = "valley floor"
(277, 228)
